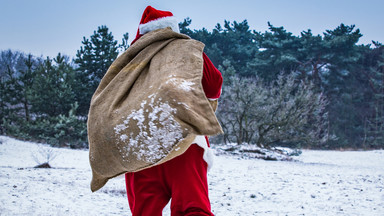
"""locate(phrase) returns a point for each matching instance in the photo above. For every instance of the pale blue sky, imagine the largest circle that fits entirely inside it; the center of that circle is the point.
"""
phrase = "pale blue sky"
(46, 27)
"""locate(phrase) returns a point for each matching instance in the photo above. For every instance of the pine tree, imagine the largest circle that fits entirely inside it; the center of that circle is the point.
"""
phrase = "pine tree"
(371, 68)
(17, 83)
(93, 60)
(52, 93)
(234, 43)
(25, 84)
(278, 52)
(13, 60)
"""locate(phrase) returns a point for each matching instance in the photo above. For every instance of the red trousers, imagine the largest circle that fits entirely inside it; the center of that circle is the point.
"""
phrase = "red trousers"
(184, 179)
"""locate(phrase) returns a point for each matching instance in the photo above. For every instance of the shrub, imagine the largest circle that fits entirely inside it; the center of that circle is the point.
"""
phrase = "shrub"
(284, 111)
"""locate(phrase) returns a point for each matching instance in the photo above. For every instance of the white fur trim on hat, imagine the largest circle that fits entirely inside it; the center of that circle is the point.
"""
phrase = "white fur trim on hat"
(208, 155)
(160, 23)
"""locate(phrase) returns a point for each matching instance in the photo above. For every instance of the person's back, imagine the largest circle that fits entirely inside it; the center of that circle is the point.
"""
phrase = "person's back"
(184, 178)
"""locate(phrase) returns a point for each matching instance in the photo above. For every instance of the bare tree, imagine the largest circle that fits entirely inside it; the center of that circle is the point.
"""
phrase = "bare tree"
(284, 111)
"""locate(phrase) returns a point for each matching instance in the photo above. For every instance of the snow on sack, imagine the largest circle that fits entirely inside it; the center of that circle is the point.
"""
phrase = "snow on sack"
(149, 106)
(180, 83)
(154, 141)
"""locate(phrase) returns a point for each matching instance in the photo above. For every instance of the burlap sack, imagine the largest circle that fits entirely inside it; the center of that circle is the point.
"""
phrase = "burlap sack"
(149, 106)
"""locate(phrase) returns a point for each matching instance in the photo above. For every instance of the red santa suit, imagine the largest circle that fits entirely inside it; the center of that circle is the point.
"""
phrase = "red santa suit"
(184, 178)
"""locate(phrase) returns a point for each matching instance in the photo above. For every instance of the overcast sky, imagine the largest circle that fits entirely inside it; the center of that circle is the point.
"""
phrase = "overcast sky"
(46, 27)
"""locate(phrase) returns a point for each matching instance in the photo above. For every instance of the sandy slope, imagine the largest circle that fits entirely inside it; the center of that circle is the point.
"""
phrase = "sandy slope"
(318, 183)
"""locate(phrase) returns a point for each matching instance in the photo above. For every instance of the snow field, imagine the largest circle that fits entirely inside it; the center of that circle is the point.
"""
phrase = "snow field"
(317, 183)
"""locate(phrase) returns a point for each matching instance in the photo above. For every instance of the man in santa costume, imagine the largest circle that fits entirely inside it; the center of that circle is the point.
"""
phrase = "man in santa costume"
(183, 178)
(150, 117)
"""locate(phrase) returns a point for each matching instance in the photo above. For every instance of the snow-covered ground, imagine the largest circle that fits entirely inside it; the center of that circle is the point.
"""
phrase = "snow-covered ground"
(317, 183)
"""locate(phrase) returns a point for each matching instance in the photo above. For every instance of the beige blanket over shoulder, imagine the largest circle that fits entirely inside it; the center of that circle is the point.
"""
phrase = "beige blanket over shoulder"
(149, 106)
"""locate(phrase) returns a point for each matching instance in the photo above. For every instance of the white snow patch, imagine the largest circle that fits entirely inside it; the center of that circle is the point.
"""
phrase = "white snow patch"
(156, 138)
(181, 84)
(186, 85)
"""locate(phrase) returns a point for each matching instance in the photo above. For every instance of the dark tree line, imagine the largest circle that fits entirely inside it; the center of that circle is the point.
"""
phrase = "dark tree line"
(48, 99)
(322, 91)
(348, 75)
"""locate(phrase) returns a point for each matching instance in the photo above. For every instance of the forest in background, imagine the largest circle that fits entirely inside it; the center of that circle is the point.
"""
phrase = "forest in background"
(313, 91)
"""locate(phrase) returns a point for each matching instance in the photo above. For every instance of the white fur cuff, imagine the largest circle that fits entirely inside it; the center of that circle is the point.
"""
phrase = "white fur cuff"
(208, 152)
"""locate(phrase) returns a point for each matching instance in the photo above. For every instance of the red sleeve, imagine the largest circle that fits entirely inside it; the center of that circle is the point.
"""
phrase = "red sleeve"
(212, 79)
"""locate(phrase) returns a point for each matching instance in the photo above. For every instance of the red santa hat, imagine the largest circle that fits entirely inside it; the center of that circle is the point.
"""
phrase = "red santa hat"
(153, 19)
